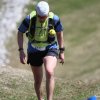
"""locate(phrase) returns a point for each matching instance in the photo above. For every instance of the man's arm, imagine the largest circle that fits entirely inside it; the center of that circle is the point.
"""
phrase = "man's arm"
(21, 30)
(20, 40)
(61, 46)
(20, 45)
(60, 39)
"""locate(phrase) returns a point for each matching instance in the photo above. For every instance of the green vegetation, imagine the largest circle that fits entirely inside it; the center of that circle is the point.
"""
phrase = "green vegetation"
(78, 78)
(69, 6)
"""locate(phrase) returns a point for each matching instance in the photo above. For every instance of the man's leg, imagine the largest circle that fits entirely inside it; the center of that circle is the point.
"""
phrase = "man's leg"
(38, 75)
(50, 64)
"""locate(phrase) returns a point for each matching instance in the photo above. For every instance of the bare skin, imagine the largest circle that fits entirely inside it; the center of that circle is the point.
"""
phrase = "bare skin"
(50, 64)
(38, 75)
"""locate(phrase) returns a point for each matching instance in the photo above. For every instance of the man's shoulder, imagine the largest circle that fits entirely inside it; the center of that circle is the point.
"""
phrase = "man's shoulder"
(56, 17)
(27, 17)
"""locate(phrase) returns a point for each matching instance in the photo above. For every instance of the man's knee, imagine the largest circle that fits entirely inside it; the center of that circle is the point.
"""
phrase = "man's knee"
(49, 73)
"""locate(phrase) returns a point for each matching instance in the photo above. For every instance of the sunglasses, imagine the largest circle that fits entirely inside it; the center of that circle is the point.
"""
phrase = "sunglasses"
(42, 17)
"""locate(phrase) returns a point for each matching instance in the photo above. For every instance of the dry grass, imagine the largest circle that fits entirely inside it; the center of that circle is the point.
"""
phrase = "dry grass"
(78, 78)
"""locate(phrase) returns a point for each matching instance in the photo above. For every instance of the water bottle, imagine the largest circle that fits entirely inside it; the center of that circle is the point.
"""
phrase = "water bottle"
(51, 36)
(92, 98)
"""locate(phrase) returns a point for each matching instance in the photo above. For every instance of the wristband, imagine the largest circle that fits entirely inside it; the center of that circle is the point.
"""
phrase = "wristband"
(20, 49)
(62, 49)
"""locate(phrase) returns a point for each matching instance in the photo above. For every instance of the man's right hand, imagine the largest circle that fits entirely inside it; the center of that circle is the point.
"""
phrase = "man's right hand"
(23, 58)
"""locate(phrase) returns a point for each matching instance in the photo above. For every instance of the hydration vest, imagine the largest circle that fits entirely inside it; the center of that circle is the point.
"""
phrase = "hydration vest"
(38, 34)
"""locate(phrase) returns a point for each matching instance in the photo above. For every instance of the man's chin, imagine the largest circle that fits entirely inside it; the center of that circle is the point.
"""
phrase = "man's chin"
(41, 21)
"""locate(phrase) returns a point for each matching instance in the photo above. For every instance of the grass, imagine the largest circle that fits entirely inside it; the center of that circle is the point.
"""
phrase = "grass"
(78, 78)
(69, 6)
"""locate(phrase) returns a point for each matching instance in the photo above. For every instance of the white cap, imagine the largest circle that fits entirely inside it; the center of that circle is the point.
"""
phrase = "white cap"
(42, 8)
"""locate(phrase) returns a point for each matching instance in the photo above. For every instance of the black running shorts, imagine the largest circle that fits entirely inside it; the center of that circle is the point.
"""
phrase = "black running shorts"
(36, 58)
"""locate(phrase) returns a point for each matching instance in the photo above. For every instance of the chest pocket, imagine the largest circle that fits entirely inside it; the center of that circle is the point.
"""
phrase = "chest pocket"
(41, 31)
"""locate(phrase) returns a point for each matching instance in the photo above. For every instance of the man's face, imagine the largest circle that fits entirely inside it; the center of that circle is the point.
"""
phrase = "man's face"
(42, 18)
